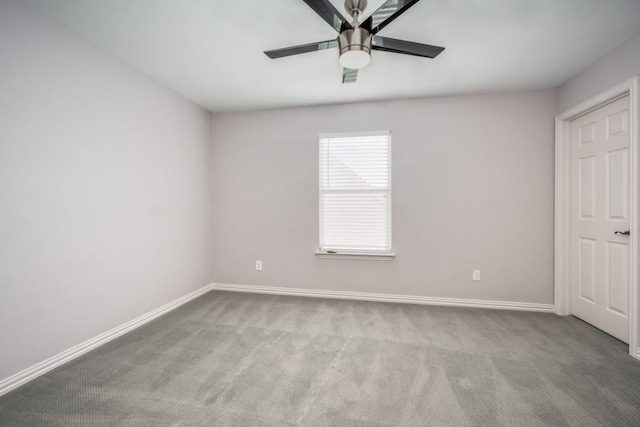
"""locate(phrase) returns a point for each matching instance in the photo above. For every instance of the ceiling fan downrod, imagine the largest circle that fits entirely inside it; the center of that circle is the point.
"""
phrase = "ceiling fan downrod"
(355, 9)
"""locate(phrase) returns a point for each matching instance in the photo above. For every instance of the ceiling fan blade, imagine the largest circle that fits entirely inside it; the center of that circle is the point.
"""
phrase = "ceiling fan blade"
(303, 48)
(349, 75)
(402, 46)
(389, 11)
(329, 13)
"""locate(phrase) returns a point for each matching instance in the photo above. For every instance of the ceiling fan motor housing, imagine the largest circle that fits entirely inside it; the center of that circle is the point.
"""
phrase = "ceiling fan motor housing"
(357, 39)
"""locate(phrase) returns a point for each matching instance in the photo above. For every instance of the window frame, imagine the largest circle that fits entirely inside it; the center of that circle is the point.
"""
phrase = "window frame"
(385, 254)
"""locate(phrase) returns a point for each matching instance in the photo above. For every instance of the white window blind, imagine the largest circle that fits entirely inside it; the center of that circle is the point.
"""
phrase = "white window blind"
(355, 193)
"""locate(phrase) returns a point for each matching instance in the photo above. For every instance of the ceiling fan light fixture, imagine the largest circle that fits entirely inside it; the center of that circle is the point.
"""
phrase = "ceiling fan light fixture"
(355, 59)
(355, 48)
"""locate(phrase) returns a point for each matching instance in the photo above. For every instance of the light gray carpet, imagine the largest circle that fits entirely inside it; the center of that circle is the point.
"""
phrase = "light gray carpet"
(231, 359)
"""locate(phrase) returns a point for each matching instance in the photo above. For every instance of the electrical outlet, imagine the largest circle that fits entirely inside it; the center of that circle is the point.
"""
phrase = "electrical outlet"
(476, 275)
(259, 265)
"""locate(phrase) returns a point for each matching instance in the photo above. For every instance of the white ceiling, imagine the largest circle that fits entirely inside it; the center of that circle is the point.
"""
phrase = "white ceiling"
(210, 51)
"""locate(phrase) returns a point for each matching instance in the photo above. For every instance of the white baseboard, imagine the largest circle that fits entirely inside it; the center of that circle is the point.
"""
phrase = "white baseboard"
(42, 368)
(406, 299)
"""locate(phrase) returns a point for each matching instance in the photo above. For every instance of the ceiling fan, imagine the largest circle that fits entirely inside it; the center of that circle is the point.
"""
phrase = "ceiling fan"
(356, 40)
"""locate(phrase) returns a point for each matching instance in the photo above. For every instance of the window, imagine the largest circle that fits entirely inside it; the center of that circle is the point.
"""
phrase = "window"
(355, 193)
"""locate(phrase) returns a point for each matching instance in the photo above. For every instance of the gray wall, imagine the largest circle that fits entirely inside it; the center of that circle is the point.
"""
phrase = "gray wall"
(472, 189)
(104, 191)
(619, 65)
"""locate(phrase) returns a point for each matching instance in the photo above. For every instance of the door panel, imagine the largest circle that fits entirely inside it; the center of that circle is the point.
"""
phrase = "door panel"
(587, 262)
(587, 134)
(599, 208)
(617, 123)
(617, 278)
(587, 187)
(618, 185)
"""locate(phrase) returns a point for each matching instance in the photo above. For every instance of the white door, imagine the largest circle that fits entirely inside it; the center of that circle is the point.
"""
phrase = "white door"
(599, 213)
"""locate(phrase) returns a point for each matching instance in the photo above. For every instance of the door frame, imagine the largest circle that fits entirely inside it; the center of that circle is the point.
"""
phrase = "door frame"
(562, 276)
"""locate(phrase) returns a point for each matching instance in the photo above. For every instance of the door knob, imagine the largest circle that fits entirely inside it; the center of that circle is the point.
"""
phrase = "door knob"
(624, 233)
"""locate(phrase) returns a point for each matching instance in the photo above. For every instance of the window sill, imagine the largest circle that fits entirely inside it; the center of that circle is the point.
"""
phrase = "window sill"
(357, 255)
